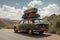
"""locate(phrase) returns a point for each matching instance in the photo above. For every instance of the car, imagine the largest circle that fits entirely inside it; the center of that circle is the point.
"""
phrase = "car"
(30, 26)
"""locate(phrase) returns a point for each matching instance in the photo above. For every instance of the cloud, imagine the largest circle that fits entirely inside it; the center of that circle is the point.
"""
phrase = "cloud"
(13, 13)
(49, 10)
(35, 2)
(10, 12)
(24, 8)
(17, 3)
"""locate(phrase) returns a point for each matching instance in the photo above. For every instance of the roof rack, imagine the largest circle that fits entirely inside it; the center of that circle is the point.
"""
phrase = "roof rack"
(33, 19)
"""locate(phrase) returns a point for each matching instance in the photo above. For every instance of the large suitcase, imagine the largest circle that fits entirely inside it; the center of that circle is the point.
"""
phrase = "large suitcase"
(31, 10)
(34, 15)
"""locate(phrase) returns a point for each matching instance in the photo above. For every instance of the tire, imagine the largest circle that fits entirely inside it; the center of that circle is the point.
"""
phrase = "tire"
(15, 30)
(30, 32)
(41, 32)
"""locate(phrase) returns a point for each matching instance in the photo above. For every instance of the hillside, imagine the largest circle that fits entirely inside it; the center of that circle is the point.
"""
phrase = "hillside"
(7, 23)
(54, 23)
(52, 17)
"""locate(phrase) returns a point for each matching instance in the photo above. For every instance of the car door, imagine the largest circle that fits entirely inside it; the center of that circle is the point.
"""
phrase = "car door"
(21, 25)
(26, 24)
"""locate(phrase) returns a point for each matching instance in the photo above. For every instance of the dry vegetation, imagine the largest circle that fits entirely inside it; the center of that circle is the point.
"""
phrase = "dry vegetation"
(54, 23)
(7, 23)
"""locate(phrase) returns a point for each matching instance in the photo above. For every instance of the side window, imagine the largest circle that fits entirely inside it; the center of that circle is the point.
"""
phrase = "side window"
(21, 22)
(30, 21)
(25, 22)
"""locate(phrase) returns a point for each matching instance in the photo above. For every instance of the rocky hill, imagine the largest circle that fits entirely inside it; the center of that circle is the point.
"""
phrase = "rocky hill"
(53, 17)
(54, 23)
(7, 23)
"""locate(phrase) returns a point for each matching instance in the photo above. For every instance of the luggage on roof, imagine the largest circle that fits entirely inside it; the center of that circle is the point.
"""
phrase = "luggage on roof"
(30, 13)
(34, 15)
(25, 16)
(32, 10)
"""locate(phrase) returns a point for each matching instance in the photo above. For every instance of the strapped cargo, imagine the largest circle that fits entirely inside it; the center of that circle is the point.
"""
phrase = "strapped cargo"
(32, 10)
(30, 13)
(34, 15)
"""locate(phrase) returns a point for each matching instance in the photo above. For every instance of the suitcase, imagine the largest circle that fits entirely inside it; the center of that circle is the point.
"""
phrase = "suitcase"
(34, 15)
(32, 10)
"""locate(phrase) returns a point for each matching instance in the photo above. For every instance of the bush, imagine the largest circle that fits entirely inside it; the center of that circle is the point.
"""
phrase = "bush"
(52, 27)
(9, 27)
(58, 27)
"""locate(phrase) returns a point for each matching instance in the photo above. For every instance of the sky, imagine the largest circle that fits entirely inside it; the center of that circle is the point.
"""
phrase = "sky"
(14, 9)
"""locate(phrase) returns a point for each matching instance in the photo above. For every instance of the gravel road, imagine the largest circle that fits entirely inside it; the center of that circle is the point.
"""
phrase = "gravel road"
(8, 34)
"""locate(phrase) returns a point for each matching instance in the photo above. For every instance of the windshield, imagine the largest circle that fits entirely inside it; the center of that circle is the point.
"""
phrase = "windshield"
(31, 21)
(38, 21)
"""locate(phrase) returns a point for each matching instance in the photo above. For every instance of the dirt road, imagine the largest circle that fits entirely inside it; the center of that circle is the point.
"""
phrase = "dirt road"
(8, 34)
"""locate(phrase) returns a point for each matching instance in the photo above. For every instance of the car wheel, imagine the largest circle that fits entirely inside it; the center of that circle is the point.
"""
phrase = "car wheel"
(30, 32)
(15, 30)
(41, 32)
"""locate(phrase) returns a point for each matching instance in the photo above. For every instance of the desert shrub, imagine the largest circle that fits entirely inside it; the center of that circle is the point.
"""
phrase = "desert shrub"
(52, 27)
(58, 27)
(9, 27)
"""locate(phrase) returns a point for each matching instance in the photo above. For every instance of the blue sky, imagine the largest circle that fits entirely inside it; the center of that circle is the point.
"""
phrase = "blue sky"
(22, 3)
(14, 8)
